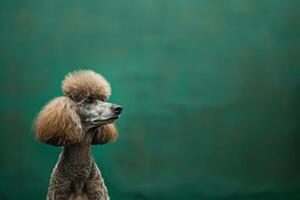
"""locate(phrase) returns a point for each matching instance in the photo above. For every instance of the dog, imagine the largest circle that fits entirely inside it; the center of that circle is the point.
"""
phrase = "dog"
(75, 121)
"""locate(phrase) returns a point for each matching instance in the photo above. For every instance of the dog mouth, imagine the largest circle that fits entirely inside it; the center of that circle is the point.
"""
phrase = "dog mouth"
(99, 121)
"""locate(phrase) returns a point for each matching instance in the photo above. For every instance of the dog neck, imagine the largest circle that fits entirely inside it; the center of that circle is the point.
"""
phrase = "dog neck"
(75, 162)
(79, 152)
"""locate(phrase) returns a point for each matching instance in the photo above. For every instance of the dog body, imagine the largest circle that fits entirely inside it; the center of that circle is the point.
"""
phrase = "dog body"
(76, 175)
(76, 121)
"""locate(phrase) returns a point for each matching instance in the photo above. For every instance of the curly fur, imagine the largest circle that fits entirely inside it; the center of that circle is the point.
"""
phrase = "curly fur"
(58, 124)
(76, 175)
(108, 133)
(81, 84)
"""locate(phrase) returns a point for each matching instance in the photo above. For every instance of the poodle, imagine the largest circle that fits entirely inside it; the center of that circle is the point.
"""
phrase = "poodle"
(75, 121)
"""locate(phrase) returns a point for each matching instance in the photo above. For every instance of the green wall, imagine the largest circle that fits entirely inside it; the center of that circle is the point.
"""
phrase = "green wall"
(210, 91)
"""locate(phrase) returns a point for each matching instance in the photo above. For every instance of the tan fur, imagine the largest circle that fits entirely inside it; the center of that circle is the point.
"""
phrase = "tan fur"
(108, 133)
(58, 123)
(85, 83)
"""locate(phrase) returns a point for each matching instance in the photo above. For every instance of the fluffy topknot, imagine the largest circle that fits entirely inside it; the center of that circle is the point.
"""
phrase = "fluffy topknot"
(85, 83)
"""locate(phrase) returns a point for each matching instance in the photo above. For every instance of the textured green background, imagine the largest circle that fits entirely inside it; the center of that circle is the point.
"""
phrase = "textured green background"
(210, 90)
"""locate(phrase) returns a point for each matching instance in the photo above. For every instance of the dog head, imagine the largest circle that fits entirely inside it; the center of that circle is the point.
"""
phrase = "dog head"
(83, 108)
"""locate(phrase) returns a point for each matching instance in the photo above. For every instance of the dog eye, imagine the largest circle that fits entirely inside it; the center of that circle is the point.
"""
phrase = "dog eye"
(89, 100)
(101, 99)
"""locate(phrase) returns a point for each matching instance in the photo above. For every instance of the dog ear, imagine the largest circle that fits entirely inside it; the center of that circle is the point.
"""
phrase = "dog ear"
(58, 123)
(104, 134)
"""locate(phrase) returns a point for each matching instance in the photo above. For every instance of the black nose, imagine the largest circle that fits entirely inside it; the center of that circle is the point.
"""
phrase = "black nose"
(117, 109)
